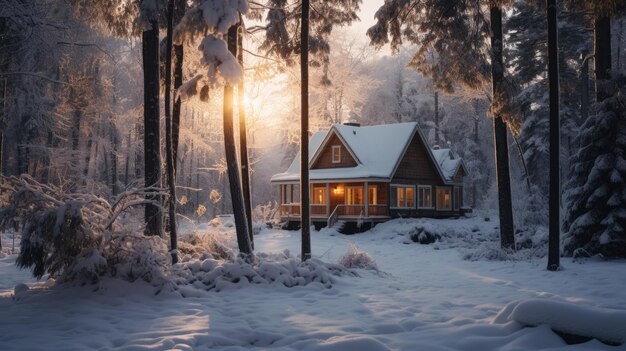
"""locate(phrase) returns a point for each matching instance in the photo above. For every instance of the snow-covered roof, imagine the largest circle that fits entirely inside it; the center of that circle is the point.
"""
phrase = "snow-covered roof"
(448, 164)
(377, 150)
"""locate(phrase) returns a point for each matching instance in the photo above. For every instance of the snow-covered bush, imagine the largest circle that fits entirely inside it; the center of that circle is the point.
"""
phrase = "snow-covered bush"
(75, 236)
(423, 236)
(266, 214)
(198, 244)
(282, 269)
(356, 258)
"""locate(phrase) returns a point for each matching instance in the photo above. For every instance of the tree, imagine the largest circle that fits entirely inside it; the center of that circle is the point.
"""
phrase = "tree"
(595, 219)
(555, 182)
(236, 193)
(243, 135)
(169, 147)
(304, 133)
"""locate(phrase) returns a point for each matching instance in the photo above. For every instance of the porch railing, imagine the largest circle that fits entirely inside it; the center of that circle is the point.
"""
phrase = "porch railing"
(319, 210)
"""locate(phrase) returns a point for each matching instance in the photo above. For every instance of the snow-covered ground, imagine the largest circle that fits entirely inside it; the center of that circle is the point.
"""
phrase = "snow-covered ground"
(425, 297)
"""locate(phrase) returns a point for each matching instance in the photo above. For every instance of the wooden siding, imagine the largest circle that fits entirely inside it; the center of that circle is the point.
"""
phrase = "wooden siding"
(417, 164)
(325, 158)
(458, 177)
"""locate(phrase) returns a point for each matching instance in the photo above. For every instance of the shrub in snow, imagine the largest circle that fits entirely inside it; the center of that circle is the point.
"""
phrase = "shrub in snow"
(281, 269)
(423, 236)
(268, 214)
(356, 258)
(212, 244)
(595, 220)
(76, 236)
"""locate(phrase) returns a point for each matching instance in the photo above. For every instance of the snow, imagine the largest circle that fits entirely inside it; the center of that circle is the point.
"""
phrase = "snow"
(423, 297)
(448, 164)
(215, 56)
(377, 149)
(577, 319)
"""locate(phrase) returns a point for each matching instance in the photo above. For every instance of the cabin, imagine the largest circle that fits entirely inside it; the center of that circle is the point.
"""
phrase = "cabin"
(363, 175)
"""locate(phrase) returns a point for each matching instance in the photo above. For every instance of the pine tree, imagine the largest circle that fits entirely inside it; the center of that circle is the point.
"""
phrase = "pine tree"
(595, 221)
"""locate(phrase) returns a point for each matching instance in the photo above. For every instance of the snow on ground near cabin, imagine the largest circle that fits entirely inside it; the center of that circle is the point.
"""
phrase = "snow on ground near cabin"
(427, 299)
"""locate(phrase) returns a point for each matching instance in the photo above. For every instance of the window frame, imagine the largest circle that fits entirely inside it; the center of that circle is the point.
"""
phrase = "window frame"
(449, 189)
(395, 187)
(337, 149)
(456, 197)
(351, 188)
(421, 188)
(324, 195)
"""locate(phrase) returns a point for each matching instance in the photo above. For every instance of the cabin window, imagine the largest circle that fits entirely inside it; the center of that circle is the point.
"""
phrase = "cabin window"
(405, 196)
(319, 195)
(336, 153)
(424, 196)
(444, 198)
(457, 198)
(354, 195)
(372, 195)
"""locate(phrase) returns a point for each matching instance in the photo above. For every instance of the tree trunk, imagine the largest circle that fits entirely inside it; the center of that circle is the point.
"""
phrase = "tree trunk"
(114, 149)
(304, 133)
(243, 237)
(437, 138)
(507, 238)
(2, 125)
(602, 51)
(584, 90)
(474, 189)
(179, 11)
(127, 165)
(152, 146)
(169, 147)
(191, 157)
(555, 181)
(138, 159)
(243, 137)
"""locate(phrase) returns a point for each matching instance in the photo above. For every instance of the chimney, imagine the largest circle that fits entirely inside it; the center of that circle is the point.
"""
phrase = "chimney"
(352, 124)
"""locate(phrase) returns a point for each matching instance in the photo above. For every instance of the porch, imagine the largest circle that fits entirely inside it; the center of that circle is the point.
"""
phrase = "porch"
(330, 202)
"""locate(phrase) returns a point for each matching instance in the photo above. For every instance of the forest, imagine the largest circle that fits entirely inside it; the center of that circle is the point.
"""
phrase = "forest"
(138, 140)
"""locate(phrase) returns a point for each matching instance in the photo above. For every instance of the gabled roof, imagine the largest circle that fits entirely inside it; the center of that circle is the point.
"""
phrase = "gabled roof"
(448, 164)
(377, 150)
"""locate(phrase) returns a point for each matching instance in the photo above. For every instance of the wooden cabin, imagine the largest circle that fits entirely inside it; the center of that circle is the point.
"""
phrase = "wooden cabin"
(370, 174)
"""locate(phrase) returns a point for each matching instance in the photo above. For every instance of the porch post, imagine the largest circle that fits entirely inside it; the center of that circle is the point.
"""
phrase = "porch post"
(366, 198)
(327, 199)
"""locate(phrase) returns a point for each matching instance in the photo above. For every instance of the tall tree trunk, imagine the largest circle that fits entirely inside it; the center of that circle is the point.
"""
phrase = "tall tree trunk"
(602, 51)
(179, 11)
(437, 138)
(169, 147)
(138, 158)
(152, 145)
(507, 238)
(191, 158)
(243, 136)
(127, 165)
(2, 125)
(584, 90)
(474, 189)
(114, 164)
(555, 181)
(304, 133)
(243, 237)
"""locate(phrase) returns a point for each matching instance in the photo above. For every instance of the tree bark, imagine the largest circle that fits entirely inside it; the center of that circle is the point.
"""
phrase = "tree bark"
(304, 133)
(179, 11)
(243, 137)
(2, 126)
(152, 147)
(127, 165)
(555, 180)
(169, 147)
(239, 211)
(114, 149)
(437, 138)
(507, 238)
(602, 51)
